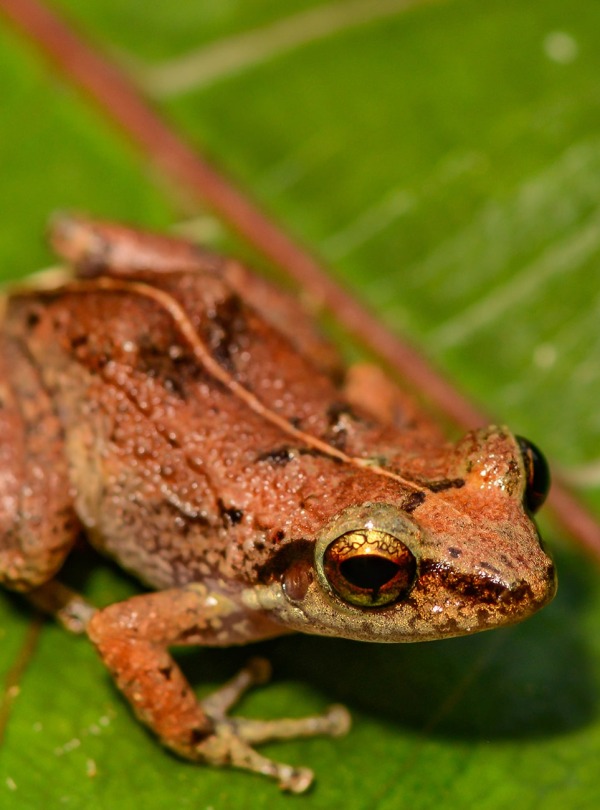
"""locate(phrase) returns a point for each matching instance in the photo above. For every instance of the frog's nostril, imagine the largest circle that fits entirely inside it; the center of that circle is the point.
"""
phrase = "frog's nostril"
(537, 474)
(369, 568)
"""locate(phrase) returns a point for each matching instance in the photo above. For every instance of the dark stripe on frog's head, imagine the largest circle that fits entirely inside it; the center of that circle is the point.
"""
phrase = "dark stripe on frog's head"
(482, 589)
(444, 484)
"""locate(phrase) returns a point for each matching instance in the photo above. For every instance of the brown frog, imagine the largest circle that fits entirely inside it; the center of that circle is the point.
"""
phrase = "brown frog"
(185, 417)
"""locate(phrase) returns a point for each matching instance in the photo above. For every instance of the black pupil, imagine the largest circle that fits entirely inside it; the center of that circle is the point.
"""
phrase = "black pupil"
(369, 572)
(538, 474)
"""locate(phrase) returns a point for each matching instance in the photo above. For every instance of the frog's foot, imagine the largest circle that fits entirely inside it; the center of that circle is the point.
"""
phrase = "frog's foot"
(232, 739)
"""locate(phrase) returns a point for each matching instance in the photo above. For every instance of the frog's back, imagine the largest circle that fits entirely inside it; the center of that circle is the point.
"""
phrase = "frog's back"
(176, 474)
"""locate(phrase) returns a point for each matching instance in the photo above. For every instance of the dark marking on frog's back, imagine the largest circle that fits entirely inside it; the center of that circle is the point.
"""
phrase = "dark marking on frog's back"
(175, 368)
(226, 327)
(79, 342)
(32, 319)
(506, 560)
(231, 515)
(279, 456)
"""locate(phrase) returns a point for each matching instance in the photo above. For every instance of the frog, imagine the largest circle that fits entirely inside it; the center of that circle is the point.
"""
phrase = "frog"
(187, 419)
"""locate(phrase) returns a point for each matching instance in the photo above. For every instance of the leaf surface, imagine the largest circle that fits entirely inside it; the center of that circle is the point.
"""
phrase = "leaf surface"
(443, 159)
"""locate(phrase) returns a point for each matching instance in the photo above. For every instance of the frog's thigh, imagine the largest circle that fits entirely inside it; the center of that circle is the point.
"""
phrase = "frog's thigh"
(106, 248)
(37, 522)
(96, 247)
(369, 387)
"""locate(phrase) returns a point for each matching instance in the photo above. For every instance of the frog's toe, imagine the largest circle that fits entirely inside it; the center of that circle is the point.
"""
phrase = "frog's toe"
(289, 778)
(340, 720)
(256, 672)
(298, 780)
(233, 738)
(260, 670)
(332, 723)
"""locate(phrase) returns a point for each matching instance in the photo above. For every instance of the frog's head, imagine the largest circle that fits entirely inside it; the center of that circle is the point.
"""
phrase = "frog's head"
(466, 558)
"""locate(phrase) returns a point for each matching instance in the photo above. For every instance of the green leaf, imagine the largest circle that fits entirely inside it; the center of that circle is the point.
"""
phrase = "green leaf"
(444, 160)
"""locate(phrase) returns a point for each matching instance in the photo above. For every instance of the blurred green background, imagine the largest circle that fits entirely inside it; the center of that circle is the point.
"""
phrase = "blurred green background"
(444, 161)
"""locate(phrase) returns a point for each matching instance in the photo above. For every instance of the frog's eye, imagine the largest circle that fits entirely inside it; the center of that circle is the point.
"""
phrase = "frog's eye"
(369, 568)
(537, 474)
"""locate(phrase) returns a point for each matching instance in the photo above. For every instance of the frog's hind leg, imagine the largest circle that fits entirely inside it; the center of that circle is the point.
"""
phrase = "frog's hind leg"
(133, 638)
(38, 525)
(95, 248)
(102, 248)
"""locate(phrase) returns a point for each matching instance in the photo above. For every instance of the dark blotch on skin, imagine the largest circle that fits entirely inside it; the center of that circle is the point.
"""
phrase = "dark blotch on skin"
(174, 386)
(491, 568)
(190, 633)
(412, 501)
(198, 735)
(33, 318)
(279, 456)
(231, 515)
(341, 418)
(507, 562)
(481, 589)
(79, 341)
(234, 515)
(454, 552)
(226, 327)
(338, 439)
(178, 374)
(292, 553)
(445, 483)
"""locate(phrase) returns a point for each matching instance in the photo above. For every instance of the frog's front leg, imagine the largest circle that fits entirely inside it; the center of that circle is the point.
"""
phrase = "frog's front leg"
(132, 638)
